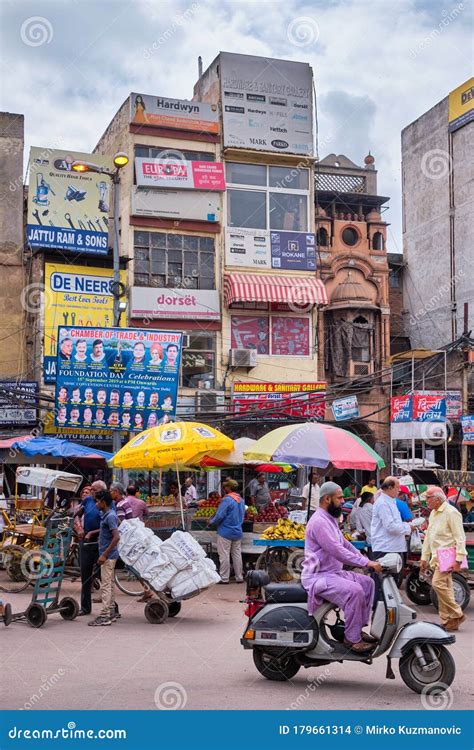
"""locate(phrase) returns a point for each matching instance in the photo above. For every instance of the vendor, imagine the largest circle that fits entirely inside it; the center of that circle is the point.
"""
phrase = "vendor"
(311, 492)
(258, 491)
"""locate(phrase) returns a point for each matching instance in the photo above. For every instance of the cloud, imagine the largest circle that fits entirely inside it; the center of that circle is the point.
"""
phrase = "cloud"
(378, 66)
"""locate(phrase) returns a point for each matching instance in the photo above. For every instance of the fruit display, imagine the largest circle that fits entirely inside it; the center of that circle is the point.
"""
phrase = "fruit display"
(285, 529)
(159, 500)
(205, 512)
(251, 513)
(271, 513)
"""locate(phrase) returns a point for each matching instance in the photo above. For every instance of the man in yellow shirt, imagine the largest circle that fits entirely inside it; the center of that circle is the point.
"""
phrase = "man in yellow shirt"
(445, 529)
(369, 487)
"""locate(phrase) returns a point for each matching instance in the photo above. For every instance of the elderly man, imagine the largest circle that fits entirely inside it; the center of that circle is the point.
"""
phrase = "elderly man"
(326, 551)
(445, 529)
(123, 508)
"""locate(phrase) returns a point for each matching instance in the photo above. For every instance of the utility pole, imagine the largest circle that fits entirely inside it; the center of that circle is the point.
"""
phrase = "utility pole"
(464, 382)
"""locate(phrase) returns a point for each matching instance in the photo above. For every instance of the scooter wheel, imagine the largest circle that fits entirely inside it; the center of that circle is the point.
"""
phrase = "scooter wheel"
(462, 592)
(434, 682)
(276, 668)
(418, 591)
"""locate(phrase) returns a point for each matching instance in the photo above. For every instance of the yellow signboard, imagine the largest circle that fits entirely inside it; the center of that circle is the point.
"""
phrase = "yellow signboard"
(461, 105)
(74, 296)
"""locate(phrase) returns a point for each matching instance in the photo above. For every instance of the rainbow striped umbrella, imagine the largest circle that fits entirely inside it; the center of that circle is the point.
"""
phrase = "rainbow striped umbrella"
(313, 444)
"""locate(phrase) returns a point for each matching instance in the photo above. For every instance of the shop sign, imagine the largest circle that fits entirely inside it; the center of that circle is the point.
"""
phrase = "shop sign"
(267, 105)
(74, 295)
(187, 304)
(176, 204)
(68, 210)
(401, 409)
(345, 408)
(467, 423)
(274, 401)
(116, 378)
(247, 248)
(180, 114)
(178, 173)
(18, 403)
(461, 105)
(429, 408)
(453, 402)
(293, 251)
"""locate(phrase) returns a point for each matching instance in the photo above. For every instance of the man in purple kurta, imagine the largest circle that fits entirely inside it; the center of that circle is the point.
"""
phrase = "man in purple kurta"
(326, 551)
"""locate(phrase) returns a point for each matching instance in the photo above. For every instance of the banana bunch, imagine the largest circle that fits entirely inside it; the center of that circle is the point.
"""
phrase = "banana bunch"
(285, 529)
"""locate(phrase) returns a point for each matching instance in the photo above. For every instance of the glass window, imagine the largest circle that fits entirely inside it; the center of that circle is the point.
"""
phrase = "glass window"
(288, 178)
(350, 236)
(250, 332)
(360, 350)
(288, 212)
(161, 261)
(199, 361)
(246, 174)
(394, 279)
(290, 336)
(246, 208)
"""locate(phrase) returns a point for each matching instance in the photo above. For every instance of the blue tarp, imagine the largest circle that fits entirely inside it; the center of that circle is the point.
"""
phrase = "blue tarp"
(44, 446)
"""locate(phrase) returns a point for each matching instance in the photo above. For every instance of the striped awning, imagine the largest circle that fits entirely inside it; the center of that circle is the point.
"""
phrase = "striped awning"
(291, 290)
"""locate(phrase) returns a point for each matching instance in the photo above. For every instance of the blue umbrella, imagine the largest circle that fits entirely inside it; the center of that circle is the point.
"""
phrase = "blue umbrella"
(45, 446)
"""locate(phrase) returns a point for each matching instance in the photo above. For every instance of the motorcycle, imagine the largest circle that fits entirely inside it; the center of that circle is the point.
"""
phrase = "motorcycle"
(419, 590)
(283, 637)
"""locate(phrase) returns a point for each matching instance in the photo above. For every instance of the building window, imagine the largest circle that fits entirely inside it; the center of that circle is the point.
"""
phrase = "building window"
(173, 260)
(322, 239)
(350, 236)
(198, 368)
(377, 242)
(394, 279)
(282, 205)
(173, 154)
(277, 335)
(360, 350)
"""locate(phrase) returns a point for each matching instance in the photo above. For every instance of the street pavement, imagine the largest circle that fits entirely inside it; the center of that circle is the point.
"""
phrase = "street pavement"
(194, 661)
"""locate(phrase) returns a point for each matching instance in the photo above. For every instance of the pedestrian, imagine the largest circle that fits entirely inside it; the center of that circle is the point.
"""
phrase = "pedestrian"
(350, 492)
(389, 533)
(138, 506)
(190, 494)
(370, 486)
(108, 555)
(228, 521)
(122, 507)
(364, 517)
(445, 530)
(311, 492)
(89, 545)
(259, 491)
(403, 503)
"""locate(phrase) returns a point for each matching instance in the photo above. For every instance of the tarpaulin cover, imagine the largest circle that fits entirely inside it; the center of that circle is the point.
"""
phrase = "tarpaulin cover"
(44, 446)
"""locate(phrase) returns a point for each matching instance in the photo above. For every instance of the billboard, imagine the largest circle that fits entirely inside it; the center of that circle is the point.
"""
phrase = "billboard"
(279, 400)
(429, 408)
(453, 402)
(293, 251)
(68, 210)
(467, 423)
(74, 295)
(176, 204)
(461, 105)
(345, 408)
(186, 304)
(180, 114)
(247, 248)
(267, 104)
(116, 378)
(401, 409)
(18, 403)
(179, 173)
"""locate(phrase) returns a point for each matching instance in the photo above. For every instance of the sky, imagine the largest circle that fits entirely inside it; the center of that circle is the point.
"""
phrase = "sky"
(68, 65)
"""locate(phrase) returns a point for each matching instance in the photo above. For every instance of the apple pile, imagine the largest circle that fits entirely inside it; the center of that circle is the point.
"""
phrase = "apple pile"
(271, 513)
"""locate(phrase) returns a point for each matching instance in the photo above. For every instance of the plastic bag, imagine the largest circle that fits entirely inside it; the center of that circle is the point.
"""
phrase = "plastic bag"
(415, 541)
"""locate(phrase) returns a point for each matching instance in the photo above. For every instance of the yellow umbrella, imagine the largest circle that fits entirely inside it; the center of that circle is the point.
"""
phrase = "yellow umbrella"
(175, 444)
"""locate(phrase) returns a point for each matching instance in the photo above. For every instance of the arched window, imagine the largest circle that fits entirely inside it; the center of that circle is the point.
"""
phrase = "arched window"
(360, 349)
(322, 239)
(377, 242)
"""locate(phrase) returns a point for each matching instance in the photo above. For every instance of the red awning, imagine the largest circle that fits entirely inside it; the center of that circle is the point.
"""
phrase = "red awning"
(291, 290)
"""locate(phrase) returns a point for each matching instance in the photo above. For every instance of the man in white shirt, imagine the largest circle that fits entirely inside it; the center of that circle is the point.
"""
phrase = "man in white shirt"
(388, 531)
(311, 492)
(190, 494)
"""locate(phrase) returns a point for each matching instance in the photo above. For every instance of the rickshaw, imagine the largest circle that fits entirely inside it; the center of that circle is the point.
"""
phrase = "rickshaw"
(25, 527)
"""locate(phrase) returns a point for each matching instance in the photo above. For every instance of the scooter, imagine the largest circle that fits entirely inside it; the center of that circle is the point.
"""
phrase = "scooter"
(284, 637)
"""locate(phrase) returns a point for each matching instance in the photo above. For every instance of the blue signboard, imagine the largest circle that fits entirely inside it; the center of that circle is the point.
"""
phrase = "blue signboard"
(293, 251)
(345, 408)
(74, 240)
(116, 378)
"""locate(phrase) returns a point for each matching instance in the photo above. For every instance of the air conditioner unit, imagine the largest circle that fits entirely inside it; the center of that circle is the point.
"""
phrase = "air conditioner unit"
(242, 358)
(209, 403)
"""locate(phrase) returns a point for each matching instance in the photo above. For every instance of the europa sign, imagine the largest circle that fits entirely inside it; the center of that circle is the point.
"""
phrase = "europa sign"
(191, 304)
(178, 173)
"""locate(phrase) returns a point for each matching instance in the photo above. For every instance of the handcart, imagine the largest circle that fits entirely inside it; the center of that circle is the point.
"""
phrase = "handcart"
(52, 561)
(158, 609)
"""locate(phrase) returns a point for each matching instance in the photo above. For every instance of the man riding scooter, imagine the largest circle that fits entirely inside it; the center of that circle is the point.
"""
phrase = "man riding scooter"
(326, 551)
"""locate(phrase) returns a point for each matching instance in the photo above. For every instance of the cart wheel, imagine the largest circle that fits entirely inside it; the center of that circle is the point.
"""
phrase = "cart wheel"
(7, 614)
(68, 608)
(156, 611)
(36, 615)
(174, 608)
